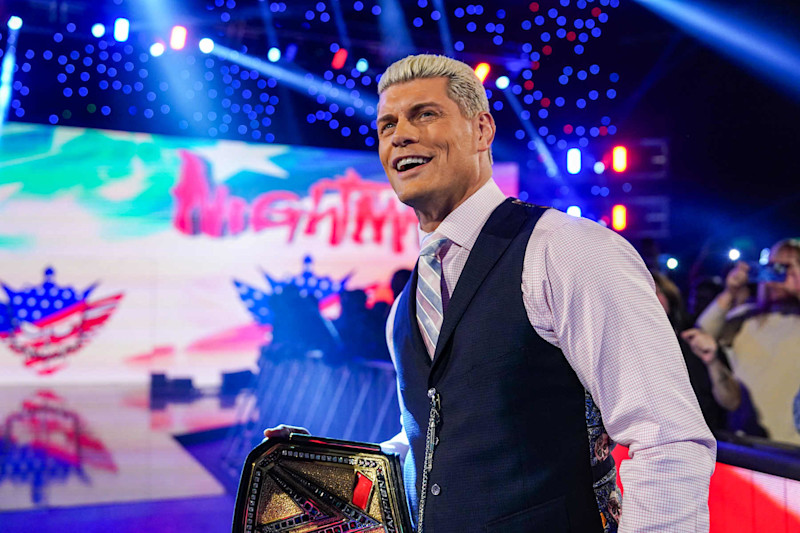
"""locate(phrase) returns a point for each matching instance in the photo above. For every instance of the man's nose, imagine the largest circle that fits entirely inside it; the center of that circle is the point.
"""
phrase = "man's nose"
(404, 133)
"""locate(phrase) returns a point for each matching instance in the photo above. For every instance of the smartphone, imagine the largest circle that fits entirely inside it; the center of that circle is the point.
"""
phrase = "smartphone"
(759, 273)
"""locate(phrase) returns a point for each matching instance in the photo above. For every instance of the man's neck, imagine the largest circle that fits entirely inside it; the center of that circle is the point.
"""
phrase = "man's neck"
(431, 216)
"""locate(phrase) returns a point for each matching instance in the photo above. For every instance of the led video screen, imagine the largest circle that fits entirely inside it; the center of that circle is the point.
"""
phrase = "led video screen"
(129, 253)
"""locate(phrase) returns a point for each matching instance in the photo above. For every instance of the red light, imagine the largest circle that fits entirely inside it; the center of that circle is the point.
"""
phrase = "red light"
(339, 59)
(568, 128)
(619, 217)
(482, 70)
(545, 102)
(534, 6)
(571, 36)
(547, 49)
(529, 85)
(596, 12)
(619, 158)
(177, 39)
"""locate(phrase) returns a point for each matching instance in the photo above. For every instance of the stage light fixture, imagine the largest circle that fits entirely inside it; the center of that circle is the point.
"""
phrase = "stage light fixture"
(274, 54)
(122, 28)
(157, 49)
(502, 82)
(573, 160)
(482, 70)
(599, 167)
(672, 263)
(619, 217)
(206, 45)
(362, 65)
(14, 23)
(177, 38)
(98, 30)
(574, 210)
(734, 254)
(620, 159)
(339, 59)
(763, 257)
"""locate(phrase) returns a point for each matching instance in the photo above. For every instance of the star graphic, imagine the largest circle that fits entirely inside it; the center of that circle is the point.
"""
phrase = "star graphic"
(228, 158)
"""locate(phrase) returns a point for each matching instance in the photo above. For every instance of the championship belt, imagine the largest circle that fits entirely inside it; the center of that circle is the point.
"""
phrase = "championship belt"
(307, 484)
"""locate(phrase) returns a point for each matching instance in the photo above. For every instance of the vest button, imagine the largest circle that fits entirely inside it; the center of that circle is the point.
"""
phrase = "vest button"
(436, 489)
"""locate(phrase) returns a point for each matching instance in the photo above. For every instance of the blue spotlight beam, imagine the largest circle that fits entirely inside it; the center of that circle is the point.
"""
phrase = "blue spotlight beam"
(444, 28)
(299, 80)
(7, 72)
(547, 158)
(395, 36)
(759, 47)
(660, 69)
(269, 27)
(341, 27)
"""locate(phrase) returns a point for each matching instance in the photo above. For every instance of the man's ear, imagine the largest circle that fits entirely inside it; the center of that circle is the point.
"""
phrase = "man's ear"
(485, 129)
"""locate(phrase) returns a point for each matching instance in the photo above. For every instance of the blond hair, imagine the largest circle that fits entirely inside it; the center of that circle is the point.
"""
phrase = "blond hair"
(790, 245)
(463, 86)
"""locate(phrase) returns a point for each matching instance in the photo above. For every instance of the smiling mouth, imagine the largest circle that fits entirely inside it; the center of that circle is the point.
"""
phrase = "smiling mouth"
(407, 163)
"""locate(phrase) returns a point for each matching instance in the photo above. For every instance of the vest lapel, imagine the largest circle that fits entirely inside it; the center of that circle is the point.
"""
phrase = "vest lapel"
(498, 232)
(410, 301)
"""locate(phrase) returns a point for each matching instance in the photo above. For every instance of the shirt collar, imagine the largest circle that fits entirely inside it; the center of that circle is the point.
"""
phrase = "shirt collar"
(464, 223)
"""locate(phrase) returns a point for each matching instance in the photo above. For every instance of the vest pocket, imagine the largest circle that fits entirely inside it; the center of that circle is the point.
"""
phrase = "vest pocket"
(548, 517)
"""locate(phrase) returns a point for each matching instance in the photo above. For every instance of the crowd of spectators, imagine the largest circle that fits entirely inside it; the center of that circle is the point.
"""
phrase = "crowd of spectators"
(758, 328)
(742, 344)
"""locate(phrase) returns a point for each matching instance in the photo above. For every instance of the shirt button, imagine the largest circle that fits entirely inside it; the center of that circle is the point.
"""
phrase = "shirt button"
(436, 489)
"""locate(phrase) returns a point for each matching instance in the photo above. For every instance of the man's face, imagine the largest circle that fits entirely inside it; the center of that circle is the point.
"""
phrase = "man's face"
(429, 150)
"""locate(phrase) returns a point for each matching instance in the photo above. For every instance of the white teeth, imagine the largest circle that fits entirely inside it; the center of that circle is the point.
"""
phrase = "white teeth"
(406, 161)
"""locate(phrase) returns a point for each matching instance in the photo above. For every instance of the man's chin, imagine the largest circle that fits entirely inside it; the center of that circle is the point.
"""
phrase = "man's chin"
(409, 196)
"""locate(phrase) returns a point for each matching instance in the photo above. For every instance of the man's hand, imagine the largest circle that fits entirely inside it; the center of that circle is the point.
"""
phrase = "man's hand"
(724, 387)
(737, 277)
(284, 431)
(736, 290)
(736, 283)
(702, 344)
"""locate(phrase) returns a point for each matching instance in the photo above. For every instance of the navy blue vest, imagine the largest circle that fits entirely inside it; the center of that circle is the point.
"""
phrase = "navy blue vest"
(513, 452)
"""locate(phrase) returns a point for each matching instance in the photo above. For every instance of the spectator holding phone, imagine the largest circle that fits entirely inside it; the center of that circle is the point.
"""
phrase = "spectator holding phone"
(762, 338)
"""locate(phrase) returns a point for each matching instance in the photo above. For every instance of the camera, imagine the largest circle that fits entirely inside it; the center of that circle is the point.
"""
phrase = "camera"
(774, 272)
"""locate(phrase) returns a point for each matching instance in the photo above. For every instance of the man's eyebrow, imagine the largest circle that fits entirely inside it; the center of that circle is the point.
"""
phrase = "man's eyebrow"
(417, 107)
(413, 110)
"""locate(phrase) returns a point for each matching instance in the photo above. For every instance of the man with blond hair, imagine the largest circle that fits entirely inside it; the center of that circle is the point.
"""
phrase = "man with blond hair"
(526, 342)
